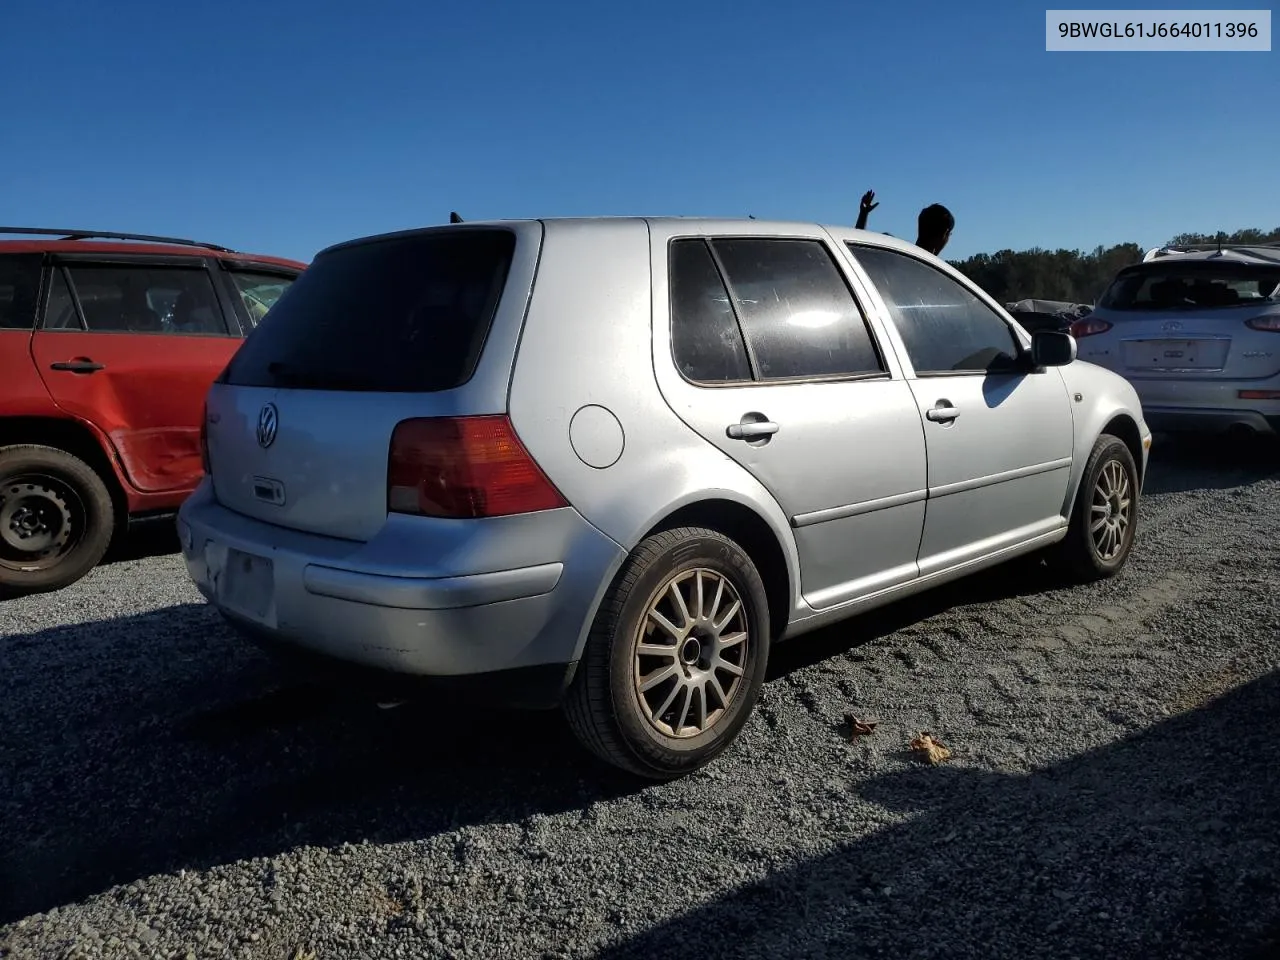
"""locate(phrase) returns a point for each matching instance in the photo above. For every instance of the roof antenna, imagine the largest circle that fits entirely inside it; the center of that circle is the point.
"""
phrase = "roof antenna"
(453, 217)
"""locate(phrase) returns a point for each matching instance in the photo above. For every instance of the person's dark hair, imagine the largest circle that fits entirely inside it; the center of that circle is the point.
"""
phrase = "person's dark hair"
(936, 220)
(935, 226)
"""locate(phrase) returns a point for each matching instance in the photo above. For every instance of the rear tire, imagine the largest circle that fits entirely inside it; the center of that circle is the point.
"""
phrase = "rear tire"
(56, 519)
(1104, 520)
(675, 658)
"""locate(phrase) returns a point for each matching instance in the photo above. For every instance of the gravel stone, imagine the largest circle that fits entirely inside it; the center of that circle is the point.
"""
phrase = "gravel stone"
(167, 791)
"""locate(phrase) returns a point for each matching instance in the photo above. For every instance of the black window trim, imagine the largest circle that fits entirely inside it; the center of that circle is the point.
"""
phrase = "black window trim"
(62, 261)
(753, 363)
(708, 241)
(1021, 364)
(244, 265)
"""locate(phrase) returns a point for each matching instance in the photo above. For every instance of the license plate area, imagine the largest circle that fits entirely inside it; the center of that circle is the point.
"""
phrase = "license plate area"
(246, 585)
(1194, 354)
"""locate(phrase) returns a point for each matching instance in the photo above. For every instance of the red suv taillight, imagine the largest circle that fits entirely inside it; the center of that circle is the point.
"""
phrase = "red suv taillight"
(1271, 323)
(464, 467)
(204, 439)
(1087, 327)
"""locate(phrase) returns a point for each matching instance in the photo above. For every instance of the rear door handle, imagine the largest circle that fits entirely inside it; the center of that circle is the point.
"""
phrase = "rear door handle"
(751, 430)
(942, 412)
(78, 365)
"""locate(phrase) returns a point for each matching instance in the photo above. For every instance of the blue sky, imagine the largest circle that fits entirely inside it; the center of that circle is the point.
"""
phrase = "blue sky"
(279, 126)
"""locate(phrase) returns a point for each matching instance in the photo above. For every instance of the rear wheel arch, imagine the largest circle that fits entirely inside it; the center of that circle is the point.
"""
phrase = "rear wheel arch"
(76, 439)
(754, 535)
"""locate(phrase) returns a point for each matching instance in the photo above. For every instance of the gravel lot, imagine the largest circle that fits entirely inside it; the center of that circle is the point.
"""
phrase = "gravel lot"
(164, 793)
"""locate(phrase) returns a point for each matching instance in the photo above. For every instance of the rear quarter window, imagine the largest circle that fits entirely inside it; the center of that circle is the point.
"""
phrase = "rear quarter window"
(19, 289)
(403, 314)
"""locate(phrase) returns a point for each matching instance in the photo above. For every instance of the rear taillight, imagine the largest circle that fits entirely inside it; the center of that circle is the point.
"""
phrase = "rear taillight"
(464, 467)
(1088, 327)
(1269, 323)
(204, 439)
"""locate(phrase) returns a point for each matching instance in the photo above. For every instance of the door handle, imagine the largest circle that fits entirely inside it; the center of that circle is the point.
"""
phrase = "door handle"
(78, 365)
(942, 412)
(751, 429)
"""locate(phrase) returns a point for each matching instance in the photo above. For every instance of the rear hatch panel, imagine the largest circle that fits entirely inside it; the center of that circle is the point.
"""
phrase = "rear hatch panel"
(375, 332)
(1183, 346)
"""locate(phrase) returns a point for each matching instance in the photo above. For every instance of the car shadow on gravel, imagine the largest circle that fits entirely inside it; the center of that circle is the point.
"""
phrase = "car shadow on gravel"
(159, 742)
(1161, 845)
(1183, 464)
(144, 539)
(1023, 577)
(163, 741)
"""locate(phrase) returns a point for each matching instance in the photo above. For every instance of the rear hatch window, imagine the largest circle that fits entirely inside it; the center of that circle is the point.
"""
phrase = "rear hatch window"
(1197, 285)
(406, 313)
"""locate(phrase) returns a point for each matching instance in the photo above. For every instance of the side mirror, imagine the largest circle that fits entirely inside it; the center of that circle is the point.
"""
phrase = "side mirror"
(1052, 348)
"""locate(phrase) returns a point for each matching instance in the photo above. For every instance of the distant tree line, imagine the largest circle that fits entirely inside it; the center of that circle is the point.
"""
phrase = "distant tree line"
(1073, 275)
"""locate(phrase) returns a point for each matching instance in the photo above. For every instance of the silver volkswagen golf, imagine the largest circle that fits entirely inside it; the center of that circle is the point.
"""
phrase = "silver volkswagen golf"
(607, 463)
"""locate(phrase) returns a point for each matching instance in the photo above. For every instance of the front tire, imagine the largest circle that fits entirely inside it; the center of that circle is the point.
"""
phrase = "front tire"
(56, 519)
(1104, 520)
(675, 658)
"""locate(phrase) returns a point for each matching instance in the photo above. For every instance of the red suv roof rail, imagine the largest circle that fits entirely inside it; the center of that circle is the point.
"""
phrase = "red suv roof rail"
(108, 235)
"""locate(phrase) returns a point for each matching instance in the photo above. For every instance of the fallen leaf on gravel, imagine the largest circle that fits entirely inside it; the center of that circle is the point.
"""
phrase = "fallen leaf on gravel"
(860, 728)
(930, 749)
(301, 954)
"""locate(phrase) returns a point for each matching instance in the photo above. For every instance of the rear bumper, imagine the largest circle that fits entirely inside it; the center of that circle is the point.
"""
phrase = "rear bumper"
(423, 599)
(1192, 420)
(1207, 406)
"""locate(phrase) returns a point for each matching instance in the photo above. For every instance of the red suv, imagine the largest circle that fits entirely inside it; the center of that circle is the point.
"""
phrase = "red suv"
(108, 344)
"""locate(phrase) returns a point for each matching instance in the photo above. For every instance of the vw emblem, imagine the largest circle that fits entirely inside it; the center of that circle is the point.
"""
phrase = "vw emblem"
(1170, 326)
(268, 424)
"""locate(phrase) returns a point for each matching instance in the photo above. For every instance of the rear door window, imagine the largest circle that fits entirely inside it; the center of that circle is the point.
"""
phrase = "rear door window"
(944, 326)
(116, 298)
(403, 314)
(797, 312)
(19, 288)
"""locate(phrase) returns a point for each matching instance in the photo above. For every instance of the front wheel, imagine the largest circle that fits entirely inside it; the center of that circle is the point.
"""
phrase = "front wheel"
(1104, 520)
(676, 656)
(56, 519)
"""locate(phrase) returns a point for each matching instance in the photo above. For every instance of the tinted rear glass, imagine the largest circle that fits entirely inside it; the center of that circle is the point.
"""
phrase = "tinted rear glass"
(405, 314)
(19, 285)
(1191, 286)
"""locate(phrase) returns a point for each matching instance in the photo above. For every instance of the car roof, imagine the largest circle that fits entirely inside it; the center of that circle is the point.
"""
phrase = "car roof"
(1261, 255)
(65, 241)
(780, 228)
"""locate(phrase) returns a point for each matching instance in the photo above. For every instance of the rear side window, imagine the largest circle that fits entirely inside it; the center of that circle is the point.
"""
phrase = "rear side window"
(404, 314)
(19, 288)
(944, 326)
(1192, 285)
(259, 291)
(135, 299)
(705, 338)
(797, 312)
